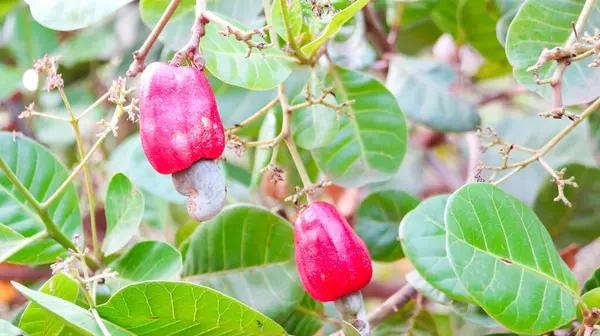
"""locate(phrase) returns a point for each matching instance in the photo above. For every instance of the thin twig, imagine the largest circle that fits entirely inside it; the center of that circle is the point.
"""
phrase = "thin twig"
(139, 56)
(192, 48)
(392, 304)
(86, 172)
(255, 116)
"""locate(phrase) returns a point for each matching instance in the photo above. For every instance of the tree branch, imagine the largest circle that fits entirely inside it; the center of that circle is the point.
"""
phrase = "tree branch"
(139, 56)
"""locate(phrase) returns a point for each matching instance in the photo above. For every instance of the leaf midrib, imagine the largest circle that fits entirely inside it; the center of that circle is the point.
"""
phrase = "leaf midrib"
(517, 263)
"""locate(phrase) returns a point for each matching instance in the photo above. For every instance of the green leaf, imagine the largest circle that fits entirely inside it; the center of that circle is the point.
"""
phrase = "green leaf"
(473, 22)
(28, 39)
(423, 238)
(527, 38)
(349, 329)
(479, 19)
(592, 282)
(183, 308)
(305, 321)
(314, 126)
(8, 329)
(36, 320)
(576, 147)
(225, 58)
(11, 81)
(236, 103)
(268, 130)
(423, 89)
(337, 21)
(411, 11)
(124, 211)
(69, 15)
(294, 17)
(378, 217)
(5, 7)
(42, 174)
(148, 260)
(505, 259)
(247, 253)
(504, 23)
(370, 146)
(354, 51)
(576, 224)
(129, 158)
(591, 300)
(11, 242)
(75, 317)
(185, 232)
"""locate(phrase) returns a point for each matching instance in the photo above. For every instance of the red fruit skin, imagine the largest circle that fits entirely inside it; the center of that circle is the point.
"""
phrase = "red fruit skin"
(332, 260)
(179, 120)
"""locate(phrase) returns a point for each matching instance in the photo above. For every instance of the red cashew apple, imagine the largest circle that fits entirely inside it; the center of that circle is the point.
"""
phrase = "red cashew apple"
(179, 121)
(332, 260)
(182, 134)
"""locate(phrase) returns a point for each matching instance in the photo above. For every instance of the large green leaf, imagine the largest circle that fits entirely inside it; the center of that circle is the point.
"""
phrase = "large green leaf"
(411, 11)
(473, 22)
(294, 17)
(129, 158)
(42, 174)
(370, 146)
(8, 329)
(377, 222)
(423, 238)
(72, 15)
(305, 321)
(337, 21)
(592, 282)
(225, 58)
(314, 126)
(124, 210)
(248, 253)
(28, 39)
(506, 260)
(38, 321)
(591, 300)
(73, 316)
(148, 260)
(11, 242)
(268, 130)
(162, 307)
(579, 223)
(423, 89)
(576, 147)
(354, 50)
(542, 23)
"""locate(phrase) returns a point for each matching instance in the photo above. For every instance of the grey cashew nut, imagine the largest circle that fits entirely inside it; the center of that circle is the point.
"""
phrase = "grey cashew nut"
(205, 187)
